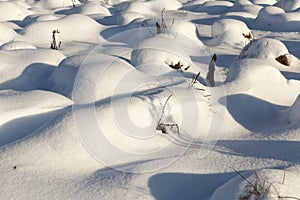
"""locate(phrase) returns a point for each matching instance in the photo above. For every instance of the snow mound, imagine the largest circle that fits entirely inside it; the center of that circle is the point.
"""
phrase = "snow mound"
(185, 28)
(288, 5)
(264, 48)
(14, 45)
(243, 9)
(245, 6)
(104, 73)
(155, 54)
(7, 34)
(13, 10)
(152, 8)
(20, 66)
(275, 19)
(16, 104)
(63, 77)
(48, 17)
(255, 76)
(27, 111)
(71, 27)
(213, 7)
(144, 10)
(294, 116)
(94, 8)
(51, 4)
(269, 183)
(58, 140)
(270, 49)
(229, 31)
(264, 2)
(55, 146)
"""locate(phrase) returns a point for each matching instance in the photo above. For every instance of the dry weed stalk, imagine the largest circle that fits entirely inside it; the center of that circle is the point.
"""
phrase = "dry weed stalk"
(259, 189)
(194, 80)
(53, 44)
(211, 71)
(162, 26)
(163, 127)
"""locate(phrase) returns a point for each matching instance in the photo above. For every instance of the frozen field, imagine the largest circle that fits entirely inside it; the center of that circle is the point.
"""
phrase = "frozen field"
(149, 99)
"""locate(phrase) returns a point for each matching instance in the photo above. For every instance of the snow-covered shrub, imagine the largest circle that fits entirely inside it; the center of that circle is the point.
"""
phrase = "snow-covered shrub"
(264, 48)
(267, 184)
(214, 7)
(50, 4)
(259, 76)
(155, 54)
(288, 5)
(55, 45)
(273, 18)
(264, 2)
(72, 28)
(92, 7)
(229, 31)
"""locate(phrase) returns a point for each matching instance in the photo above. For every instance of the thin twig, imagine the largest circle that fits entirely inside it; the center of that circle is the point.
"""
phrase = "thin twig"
(194, 80)
(281, 197)
(163, 108)
(241, 175)
(284, 174)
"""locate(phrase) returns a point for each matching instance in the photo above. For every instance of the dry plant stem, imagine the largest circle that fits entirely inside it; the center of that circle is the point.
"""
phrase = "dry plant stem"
(211, 71)
(254, 187)
(284, 174)
(282, 197)
(260, 189)
(158, 28)
(163, 23)
(163, 108)
(194, 80)
(54, 45)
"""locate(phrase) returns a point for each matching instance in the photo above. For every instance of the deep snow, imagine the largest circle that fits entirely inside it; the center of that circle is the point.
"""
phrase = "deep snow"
(81, 122)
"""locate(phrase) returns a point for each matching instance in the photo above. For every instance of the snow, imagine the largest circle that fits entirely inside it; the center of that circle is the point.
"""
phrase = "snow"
(269, 182)
(123, 110)
(20, 10)
(294, 116)
(7, 34)
(44, 30)
(28, 112)
(14, 45)
(272, 18)
(264, 49)
(51, 4)
(229, 31)
(289, 5)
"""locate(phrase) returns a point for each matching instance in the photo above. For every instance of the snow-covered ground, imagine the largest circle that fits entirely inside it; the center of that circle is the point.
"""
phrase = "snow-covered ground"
(123, 107)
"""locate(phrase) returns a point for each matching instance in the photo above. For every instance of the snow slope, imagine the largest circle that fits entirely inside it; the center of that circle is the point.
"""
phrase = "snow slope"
(123, 109)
